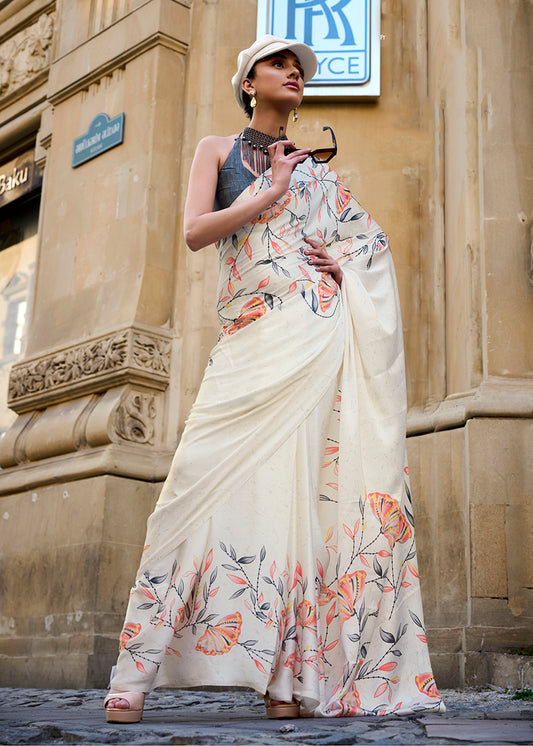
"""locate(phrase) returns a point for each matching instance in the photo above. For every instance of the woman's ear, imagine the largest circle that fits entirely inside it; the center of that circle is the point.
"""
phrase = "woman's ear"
(248, 86)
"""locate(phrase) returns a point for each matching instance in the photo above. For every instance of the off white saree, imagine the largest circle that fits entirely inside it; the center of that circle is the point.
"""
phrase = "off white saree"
(281, 552)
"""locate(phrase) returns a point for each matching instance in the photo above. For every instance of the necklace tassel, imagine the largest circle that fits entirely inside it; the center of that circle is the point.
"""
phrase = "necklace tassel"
(254, 149)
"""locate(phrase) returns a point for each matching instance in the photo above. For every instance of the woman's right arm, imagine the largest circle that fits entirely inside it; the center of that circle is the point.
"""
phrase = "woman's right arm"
(202, 226)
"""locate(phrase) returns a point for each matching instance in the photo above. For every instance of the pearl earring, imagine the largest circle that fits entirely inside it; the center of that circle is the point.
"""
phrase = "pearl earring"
(253, 100)
(295, 115)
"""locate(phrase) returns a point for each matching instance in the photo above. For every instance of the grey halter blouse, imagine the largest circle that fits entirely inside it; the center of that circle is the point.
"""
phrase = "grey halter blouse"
(233, 178)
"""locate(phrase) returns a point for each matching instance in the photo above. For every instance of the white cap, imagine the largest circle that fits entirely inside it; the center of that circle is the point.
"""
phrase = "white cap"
(264, 47)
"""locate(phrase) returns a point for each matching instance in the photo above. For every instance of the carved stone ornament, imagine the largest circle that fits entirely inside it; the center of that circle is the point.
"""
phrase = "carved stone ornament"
(151, 353)
(129, 355)
(26, 54)
(134, 418)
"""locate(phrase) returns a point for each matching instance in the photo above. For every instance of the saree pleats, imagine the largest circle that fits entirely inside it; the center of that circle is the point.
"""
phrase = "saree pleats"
(281, 553)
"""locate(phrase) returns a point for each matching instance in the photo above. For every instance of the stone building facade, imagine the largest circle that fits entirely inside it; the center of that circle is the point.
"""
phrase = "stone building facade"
(108, 319)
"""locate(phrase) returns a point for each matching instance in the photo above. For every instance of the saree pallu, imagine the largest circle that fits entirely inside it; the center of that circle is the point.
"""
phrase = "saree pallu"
(281, 552)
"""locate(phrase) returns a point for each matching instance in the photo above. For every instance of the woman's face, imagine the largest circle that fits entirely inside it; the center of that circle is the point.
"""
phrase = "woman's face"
(277, 79)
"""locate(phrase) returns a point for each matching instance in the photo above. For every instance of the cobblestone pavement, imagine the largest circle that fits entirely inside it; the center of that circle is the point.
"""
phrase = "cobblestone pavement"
(33, 716)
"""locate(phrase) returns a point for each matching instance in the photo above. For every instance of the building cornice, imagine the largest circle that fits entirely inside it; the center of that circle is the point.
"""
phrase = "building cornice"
(16, 15)
(158, 23)
(137, 355)
(130, 461)
(495, 397)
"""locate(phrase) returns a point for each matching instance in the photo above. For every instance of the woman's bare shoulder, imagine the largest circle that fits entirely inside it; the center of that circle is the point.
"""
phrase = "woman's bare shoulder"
(214, 146)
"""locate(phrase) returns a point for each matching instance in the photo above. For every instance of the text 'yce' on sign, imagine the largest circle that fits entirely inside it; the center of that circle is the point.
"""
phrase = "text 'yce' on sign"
(103, 134)
(344, 34)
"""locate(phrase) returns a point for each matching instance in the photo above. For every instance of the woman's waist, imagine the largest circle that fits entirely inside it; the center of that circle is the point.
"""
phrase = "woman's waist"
(244, 296)
(280, 274)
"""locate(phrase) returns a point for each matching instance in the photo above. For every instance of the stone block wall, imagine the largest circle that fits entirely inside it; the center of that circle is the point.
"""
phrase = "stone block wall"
(67, 554)
(473, 522)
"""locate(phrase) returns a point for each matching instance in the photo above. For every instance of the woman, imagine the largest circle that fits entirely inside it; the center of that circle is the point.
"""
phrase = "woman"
(281, 554)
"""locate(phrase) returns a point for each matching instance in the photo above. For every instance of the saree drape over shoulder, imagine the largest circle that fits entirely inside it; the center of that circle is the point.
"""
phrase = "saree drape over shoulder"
(281, 552)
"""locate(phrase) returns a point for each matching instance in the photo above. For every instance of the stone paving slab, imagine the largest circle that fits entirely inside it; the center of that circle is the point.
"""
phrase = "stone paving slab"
(31, 716)
(491, 730)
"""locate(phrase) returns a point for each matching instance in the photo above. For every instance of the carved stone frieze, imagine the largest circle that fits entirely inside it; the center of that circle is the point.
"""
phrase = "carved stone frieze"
(68, 366)
(26, 54)
(151, 353)
(128, 355)
(134, 418)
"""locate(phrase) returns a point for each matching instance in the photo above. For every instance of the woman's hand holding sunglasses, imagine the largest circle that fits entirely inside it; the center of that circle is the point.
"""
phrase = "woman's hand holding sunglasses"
(284, 157)
(283, 164)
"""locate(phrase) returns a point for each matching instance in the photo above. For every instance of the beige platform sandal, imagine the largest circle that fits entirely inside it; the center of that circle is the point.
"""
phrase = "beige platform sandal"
(282, 710)
(131, 714)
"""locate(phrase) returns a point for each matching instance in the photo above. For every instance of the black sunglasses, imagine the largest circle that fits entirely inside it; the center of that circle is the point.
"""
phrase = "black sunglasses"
(324, 155)
(319, 155)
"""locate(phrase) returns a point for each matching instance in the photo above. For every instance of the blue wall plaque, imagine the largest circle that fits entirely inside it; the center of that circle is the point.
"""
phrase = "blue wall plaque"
(344, 34)
(103, 134)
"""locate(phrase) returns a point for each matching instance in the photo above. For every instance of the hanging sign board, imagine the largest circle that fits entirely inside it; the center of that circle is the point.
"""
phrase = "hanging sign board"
(344, 34)
(103, 134)
(19, 177)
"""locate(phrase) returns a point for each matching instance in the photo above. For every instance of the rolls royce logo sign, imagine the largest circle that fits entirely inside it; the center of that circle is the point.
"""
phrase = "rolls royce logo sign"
(345, 35)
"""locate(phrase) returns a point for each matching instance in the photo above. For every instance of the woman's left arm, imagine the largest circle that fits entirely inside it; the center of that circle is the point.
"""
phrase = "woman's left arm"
(322, 261)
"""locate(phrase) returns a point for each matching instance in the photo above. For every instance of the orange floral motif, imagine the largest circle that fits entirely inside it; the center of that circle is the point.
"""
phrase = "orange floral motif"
(349, 590)
(342, 197)
(327, 290)
(273, 211)
(130, 630)
(393, 522)
(294, 661)
(351, 702)
(220, 638)
(426, 684)
(181, 615)
(253, 310)
(306, 615)
(326, 595)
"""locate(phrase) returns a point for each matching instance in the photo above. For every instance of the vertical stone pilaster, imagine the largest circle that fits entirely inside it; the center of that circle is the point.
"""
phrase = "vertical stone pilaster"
(477, 68)
(92, 392)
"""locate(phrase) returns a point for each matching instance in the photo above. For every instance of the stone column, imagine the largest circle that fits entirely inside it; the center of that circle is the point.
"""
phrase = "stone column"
(471, 436)
(97, 423)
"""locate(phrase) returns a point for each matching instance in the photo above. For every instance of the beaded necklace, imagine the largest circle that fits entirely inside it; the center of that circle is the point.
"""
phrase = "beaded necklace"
(254, 149)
